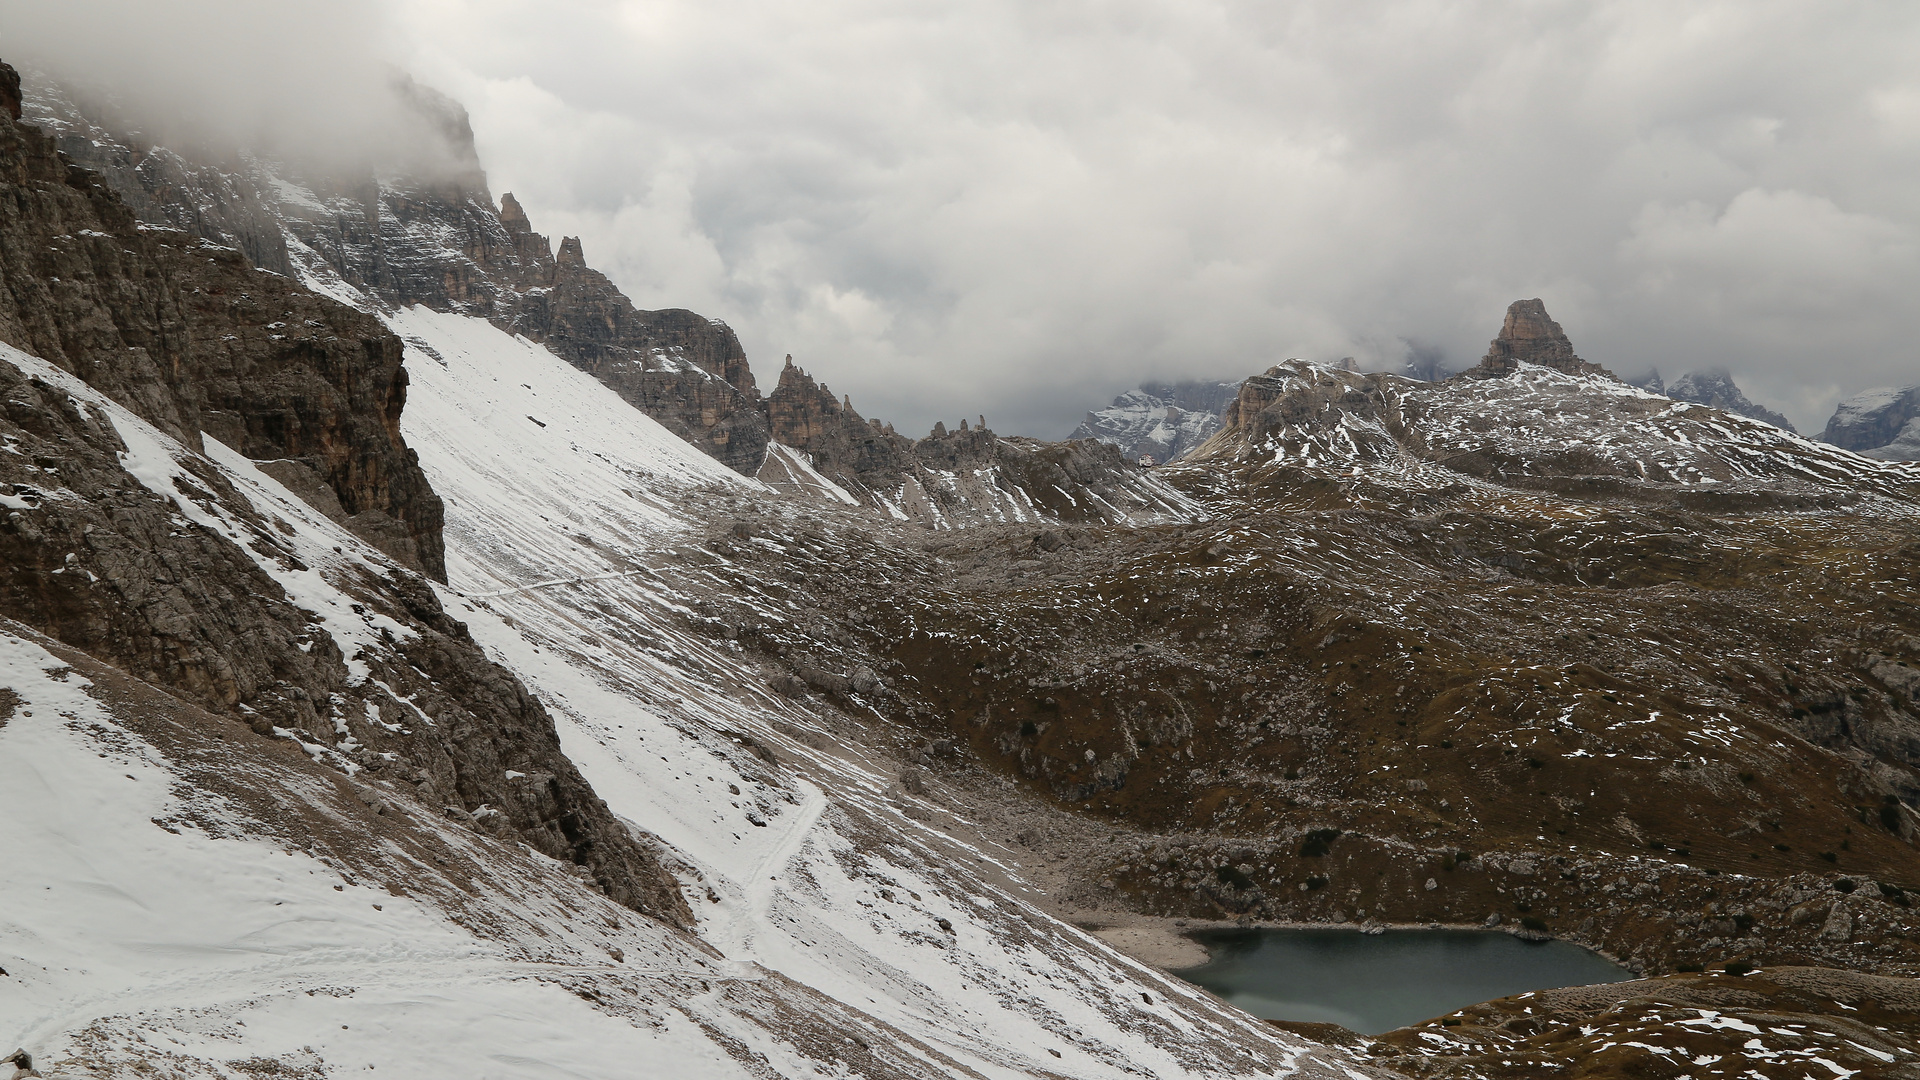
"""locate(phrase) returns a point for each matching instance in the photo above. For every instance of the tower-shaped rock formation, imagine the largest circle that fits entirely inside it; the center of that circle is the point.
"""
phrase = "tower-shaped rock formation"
(1531, 336)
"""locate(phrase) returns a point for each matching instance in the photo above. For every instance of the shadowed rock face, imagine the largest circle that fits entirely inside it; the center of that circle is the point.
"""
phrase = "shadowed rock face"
(683, 369)
(10, 92)
(1530, 336)
(853, 452)
(1880, 422)
(440, 243)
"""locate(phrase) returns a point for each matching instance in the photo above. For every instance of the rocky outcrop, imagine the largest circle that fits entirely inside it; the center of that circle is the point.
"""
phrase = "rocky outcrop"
(1160, 421)
(958, 476)
(146, 557)
(1715, 387)
(683, 369)
(10, 91)
(1530, 336)
(854, 452)
(440, 242)
(1297, 395)
(1882, 422)
(193, 338)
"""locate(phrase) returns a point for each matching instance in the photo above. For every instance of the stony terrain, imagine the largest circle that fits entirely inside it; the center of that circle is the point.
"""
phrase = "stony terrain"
(1776, 1022)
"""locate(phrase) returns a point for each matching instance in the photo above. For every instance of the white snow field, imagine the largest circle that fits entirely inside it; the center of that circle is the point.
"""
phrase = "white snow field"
(161, 915)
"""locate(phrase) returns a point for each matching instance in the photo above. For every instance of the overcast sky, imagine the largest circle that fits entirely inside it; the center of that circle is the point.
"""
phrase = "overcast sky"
(1023, 207)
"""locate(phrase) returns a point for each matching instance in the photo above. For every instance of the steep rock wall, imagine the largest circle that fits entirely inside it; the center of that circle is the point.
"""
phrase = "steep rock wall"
(193, 338)
(99, 550)
(436, 240)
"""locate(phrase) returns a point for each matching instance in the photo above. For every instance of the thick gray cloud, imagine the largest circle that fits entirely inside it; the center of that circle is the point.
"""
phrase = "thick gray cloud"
(322, 84)
(1020, 207)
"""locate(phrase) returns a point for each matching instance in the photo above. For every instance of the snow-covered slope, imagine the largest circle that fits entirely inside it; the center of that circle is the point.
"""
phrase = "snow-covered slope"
(184, 896)
(810, 867)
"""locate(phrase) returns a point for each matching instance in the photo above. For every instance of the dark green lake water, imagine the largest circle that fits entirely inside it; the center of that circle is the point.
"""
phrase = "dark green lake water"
(1377, 982)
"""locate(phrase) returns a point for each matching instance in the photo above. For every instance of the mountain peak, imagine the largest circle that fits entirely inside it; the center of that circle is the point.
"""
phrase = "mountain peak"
(1715, 387)
(1883, 422)
(1529, 335)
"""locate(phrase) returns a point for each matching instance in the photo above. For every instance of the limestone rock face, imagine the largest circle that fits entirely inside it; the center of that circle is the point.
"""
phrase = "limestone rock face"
(1882, 422)
(1715, 387)
(853, 452)
(959, 475)
(683, 369)
(1530, 336)
(194, 339)
(1302, 394)
(10, 91)
(442, 243)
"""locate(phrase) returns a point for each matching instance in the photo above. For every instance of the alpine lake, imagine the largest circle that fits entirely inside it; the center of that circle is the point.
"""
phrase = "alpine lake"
(1375, 982)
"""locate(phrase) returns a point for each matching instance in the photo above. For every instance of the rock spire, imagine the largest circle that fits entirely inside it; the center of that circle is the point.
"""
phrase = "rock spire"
(1530, 336)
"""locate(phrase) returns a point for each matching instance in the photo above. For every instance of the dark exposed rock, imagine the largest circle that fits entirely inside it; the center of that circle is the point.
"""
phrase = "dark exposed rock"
(195, 340)
(685, 370)
(1530, 336)
(10, 91)
(968, 472)
(853, 452)
(441, 243)
(1880, 422)
(1715, 387)
(1301, 393)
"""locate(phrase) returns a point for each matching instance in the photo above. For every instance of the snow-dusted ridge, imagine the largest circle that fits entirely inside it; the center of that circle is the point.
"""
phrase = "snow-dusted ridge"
(1534, 425)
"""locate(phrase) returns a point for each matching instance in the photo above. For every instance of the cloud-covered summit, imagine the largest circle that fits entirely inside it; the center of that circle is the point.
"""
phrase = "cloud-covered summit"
(1020, 208)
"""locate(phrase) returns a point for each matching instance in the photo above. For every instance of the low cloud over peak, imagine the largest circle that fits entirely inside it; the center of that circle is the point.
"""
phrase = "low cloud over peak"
(321, 84)
(1019, 209)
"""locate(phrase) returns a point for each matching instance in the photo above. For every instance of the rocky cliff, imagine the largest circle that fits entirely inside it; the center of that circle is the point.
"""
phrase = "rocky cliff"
(1530, 336)
(145, 370)
(857, 453)
(194, 338)
(1883, 422)
(960, 476)
(437, 241)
